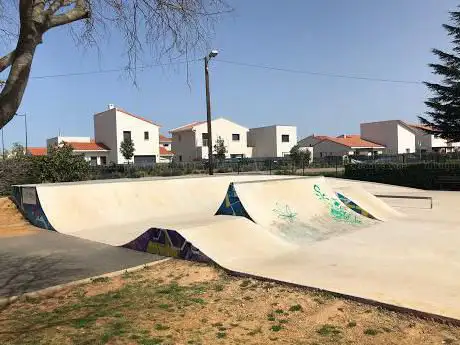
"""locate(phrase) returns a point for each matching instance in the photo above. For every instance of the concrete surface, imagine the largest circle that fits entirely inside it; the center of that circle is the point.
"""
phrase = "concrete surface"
(46, 258)
(301, 234)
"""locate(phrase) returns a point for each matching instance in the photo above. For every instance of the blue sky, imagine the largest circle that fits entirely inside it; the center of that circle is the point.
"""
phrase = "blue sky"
(383, 39)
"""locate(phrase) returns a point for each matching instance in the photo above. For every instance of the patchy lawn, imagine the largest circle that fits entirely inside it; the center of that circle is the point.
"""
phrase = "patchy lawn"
(178, 302)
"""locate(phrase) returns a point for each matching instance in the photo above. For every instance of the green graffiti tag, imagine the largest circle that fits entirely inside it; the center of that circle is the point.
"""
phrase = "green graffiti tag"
(336, 209)
(285, 213)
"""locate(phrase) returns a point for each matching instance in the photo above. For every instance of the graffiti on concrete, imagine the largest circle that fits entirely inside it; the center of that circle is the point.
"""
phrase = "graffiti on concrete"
(337, 210)
(32, 211)
(167, 243)
(353, 206)
(232, 206)
(285, 213)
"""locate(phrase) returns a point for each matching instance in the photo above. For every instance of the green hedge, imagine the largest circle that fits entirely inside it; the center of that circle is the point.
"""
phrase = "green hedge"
(417, 175)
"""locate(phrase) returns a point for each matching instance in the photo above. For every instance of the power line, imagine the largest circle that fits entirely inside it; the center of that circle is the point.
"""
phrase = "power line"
(331, 75)
(112, 70)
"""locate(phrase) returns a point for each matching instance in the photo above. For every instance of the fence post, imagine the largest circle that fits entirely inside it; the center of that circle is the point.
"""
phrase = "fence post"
(270, 165)
(238, 166)
(303, 167)
(336, 163)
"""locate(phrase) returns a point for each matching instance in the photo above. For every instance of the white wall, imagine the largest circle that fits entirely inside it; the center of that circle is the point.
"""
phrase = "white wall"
(224, 129)
(105, 128)
(406, 140)
(87, 155)
(184, 147)
(59, 139)
(263, 141)
(382, 132)
(137, 127)
(308, 148)
(328, 148)
(283, 149)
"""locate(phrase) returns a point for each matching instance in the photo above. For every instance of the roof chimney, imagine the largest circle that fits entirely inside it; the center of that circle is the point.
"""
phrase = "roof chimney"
(111, 106)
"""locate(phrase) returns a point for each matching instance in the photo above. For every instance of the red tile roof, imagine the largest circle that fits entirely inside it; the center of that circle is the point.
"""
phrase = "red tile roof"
(165, 139)
(187, 126)
(165, 152)
(37, 151)
(353, 141)
(419, 126)
(91, 146)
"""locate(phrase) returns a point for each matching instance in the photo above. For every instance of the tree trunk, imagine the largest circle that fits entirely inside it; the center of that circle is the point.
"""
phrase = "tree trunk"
(10, 97)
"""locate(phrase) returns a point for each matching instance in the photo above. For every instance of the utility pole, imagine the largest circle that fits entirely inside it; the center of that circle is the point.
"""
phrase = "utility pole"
(212, 54)
(25, 126)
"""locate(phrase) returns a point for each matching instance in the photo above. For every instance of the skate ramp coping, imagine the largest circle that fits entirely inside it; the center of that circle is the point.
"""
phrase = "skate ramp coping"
(407, 201)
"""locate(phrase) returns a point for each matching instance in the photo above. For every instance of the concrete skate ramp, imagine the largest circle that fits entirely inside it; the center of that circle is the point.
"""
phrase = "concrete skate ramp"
(131, 206)
(367, 204)
(298, 210)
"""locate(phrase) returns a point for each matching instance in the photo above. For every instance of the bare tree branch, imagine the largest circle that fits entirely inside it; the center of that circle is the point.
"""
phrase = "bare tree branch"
(6, 61)
(80, 11)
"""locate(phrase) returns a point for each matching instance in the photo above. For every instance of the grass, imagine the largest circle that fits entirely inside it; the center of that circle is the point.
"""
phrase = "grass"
(151, 308)
(296, 307)
(371, 331)
(160, 327)
(221, 335)
(276, 328)
(328, 330)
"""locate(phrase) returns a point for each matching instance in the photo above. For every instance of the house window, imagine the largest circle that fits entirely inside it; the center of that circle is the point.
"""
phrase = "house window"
(204, 137)
(93, 161)
(235, 137)
(146, 135)
(407, 150)
(126, 135)
(285, 138)
(103, 160)
(165, 145)
(179, 137)
(180, 158)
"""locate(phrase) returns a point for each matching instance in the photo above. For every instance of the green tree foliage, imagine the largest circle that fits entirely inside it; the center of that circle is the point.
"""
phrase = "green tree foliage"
(444, 105)
(17, 150)
(61, 165)
(300, 157)
(220, 149)
(127, 149)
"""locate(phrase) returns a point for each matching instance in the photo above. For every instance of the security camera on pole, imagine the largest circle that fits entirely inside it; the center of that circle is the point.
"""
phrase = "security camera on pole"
(211, 55)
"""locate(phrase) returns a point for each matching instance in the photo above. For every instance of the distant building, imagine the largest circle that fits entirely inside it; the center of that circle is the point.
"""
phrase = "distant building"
(190, 141)
(272, 141)
(402, 137)
(114, 125)
(94, 153)
(166, 155)
(341, 146)
(111, 127)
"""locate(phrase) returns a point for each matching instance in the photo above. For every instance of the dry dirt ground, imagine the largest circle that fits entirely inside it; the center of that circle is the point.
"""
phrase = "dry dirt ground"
(12, 223)
(179, 302)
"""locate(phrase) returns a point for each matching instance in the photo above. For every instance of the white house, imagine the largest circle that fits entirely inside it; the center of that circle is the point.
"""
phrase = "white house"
(341, 146)
(401, 137)
(114, 125)
(166, 155)
(94, 152)
(272, 141)
(190, 142)
(426, 142)
(396, 135)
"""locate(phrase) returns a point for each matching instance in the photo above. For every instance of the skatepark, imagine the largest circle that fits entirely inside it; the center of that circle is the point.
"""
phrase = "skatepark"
(393, 246)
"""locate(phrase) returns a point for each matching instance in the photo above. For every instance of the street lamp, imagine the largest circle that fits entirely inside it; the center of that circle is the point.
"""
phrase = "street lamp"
(211, 55)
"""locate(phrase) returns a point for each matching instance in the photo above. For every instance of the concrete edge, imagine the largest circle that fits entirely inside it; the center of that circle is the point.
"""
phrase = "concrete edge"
(390, 307)
(49, 291)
